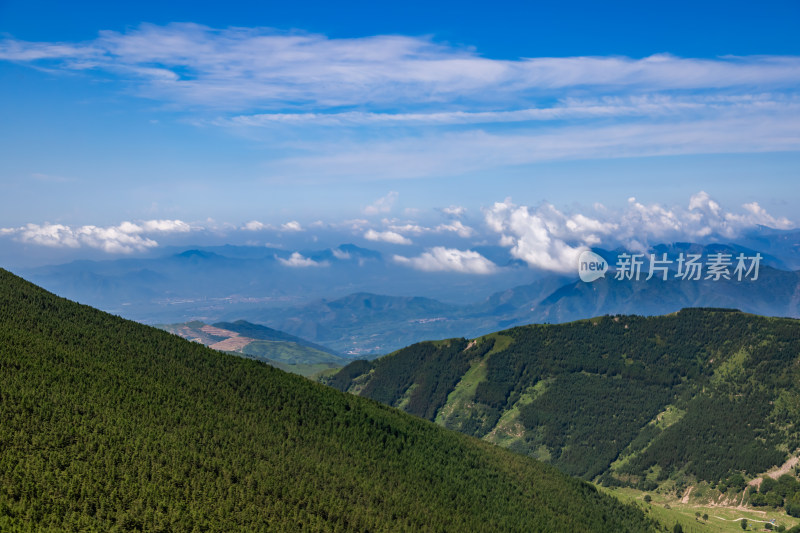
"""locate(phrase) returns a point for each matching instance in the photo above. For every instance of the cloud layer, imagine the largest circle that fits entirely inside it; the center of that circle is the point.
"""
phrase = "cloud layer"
(543, 236)
(547, 238)
(125, 238)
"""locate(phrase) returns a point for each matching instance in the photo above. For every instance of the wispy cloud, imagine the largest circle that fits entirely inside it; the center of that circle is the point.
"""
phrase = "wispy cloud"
(382, 205)
(456, 226)
(456, 153)
(565, 109)
(261, 67)
(393, 106)
(441, 259)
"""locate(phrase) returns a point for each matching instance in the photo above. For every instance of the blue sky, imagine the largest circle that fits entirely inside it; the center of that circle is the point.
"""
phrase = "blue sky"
(130, 125)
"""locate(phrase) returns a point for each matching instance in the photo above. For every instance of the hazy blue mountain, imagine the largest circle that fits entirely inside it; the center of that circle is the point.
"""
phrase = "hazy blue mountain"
(775, 293)
(210, 283)
(360, 302)
(784, 244)
(363, 324)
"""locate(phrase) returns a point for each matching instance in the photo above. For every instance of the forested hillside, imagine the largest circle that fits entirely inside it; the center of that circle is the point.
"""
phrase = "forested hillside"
(701, 394)
(108, 425)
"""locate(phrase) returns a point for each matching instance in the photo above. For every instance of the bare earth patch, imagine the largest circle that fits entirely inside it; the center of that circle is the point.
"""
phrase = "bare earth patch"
(785, 468)
(232, 344)
(218, 332)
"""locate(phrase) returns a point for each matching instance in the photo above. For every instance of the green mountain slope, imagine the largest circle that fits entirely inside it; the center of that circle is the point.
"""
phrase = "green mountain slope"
(109, 425)
(696, 395)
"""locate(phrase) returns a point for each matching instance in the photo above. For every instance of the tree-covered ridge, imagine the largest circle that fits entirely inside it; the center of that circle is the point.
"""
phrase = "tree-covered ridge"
(701, 393)
(109, 425)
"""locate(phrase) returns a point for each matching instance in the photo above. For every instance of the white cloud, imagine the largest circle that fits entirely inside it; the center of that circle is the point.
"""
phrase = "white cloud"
(456, 227)
(296, 260)
(292, 226)
(166, 226)
(53, 235)
(382, 205)
(386, 236)
(706, 217)
(441, 259)
(255, 225)
(536, 237)
(546, 238)
(125, 238)
(455, 211)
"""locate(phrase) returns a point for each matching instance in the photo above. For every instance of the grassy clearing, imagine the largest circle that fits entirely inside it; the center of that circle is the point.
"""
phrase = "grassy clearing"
(720, 519)
(509, 429)
(501, 342)
(733, 368)
(464, 392)
(670, 415)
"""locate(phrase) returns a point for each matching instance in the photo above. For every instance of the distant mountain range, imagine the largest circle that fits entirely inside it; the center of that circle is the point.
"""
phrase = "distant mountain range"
(344, 304)
(364, 324)
(210, 283)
